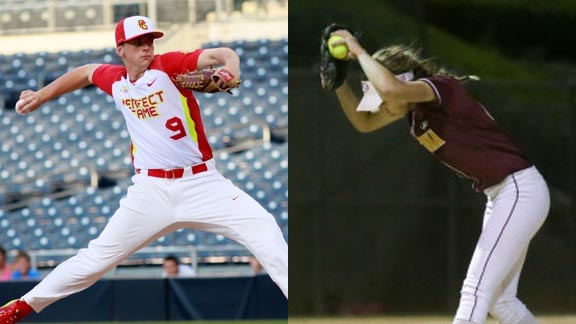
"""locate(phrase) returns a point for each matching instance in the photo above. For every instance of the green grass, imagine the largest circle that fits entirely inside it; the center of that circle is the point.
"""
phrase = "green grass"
(188, 322)
(559, 319)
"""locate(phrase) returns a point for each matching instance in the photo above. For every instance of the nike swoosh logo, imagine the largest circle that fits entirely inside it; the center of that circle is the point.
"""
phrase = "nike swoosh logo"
(235, 197)
(151, 82)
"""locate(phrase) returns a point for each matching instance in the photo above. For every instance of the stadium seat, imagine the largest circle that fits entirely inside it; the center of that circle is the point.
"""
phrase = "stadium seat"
(55, 147)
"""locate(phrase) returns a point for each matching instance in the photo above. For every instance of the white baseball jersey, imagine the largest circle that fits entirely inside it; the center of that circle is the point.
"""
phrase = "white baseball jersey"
(163, 120)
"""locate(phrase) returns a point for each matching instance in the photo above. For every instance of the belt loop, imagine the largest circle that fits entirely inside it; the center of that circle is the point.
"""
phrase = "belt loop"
(199, 168)
(174, 174)
(177, 173)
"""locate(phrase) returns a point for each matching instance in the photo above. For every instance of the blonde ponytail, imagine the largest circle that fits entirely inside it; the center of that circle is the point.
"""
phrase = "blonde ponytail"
(403, 58)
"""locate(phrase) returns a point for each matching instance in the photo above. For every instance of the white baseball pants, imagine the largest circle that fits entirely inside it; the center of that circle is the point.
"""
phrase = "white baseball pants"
(515, 210)
(155, 207)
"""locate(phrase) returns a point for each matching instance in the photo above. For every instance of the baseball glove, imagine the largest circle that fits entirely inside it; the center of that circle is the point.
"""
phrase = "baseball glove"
(207, 80)
(332, 71)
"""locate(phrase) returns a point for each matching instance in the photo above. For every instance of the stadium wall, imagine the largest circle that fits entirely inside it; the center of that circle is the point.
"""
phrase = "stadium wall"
(162, 300)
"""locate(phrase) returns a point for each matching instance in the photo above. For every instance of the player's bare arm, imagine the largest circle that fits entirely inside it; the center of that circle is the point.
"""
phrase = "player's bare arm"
(79, 77)
(397, 95)
(364, 122)
(393, 95)
(395, 92)
(220, 56)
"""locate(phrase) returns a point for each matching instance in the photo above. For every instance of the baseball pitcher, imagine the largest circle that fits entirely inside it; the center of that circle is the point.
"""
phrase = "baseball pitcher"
(176, 184)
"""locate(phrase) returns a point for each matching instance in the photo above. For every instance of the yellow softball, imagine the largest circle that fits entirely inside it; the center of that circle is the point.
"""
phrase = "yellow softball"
(338, 51)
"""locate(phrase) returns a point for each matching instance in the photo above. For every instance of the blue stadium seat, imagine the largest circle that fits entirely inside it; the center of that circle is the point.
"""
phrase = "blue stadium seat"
(56, 145)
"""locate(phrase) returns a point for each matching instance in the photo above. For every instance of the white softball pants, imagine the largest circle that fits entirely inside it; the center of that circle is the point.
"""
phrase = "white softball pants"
(515, 210)
(155, 207)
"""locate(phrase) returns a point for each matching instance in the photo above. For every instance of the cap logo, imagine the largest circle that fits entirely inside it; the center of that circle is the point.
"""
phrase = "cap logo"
(142, 24)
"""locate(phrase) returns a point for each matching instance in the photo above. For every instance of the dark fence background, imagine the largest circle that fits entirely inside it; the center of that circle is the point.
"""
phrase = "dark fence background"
(377, 224)
(162, 300)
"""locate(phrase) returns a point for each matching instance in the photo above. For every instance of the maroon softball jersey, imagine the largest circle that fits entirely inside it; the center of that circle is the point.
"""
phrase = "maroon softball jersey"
(463, 135)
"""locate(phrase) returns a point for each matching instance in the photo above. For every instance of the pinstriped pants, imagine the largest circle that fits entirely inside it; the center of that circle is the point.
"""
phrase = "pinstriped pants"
(516, 209)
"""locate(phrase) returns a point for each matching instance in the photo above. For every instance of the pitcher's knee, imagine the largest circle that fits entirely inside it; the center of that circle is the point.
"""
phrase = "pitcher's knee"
(90, 262)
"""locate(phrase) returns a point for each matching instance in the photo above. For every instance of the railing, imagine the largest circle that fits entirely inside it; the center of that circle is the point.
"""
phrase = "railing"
(48, 16)
(195, 256)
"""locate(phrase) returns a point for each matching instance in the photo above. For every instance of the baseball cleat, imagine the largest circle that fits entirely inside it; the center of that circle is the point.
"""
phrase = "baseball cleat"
(14, 311)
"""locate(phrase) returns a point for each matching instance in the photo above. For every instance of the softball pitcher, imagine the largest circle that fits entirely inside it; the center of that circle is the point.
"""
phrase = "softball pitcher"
(176, 183)
(450, 124)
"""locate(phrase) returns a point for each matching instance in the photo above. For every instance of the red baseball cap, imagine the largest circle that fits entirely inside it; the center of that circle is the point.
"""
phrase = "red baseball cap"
(132, 27)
